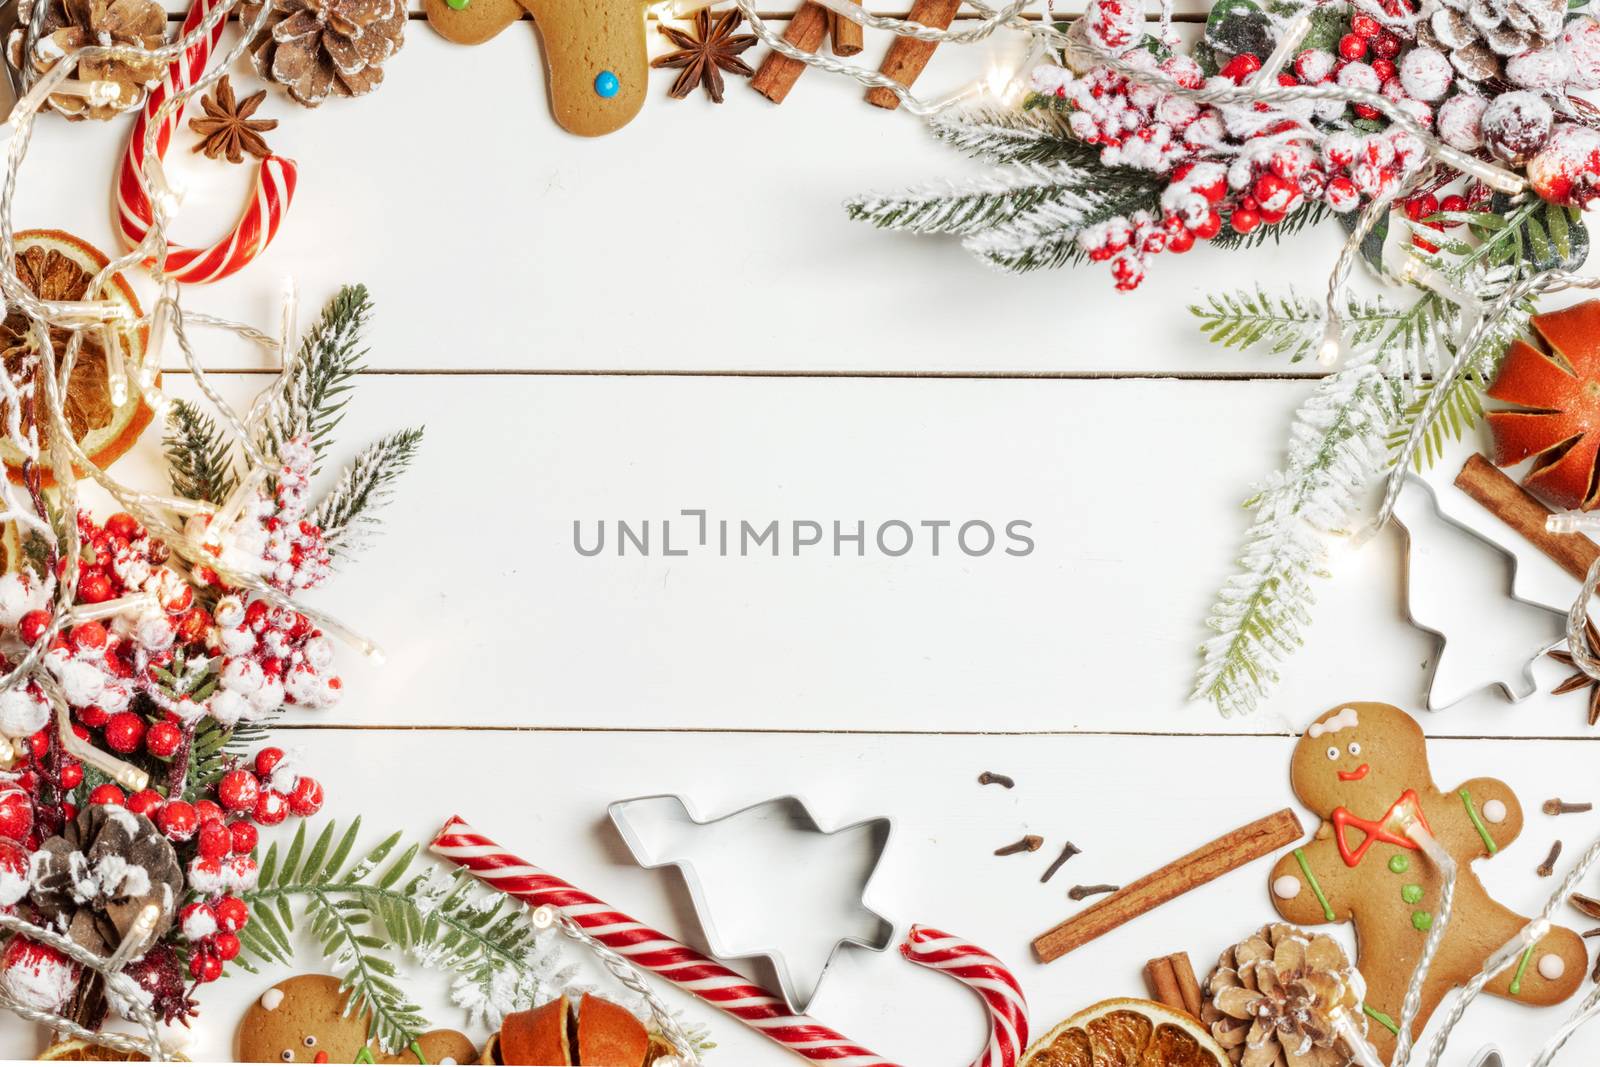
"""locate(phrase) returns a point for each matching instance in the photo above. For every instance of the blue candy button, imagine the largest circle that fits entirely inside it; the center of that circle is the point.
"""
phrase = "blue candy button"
(607, 85)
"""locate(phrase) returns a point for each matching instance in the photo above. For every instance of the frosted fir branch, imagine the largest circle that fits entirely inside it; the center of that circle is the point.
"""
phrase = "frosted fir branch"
(312, 396)
(1046, 235)
(1335, 452)
(199, 458)
(1011, 135)
(976, 204)
(347, 511)
(1289, 324)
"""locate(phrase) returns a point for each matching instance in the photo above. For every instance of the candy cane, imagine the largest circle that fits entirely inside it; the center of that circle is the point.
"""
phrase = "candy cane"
(985, 976)
(652, 950)
(274, 186)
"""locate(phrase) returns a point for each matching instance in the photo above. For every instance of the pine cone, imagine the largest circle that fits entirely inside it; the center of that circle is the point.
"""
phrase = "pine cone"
(73, 24)
(1274, 998)
(314, 47)
(96, 878)
(1480, 35)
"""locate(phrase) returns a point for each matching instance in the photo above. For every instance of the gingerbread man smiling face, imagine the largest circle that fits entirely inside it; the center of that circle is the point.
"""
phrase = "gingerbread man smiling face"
(1364, 768)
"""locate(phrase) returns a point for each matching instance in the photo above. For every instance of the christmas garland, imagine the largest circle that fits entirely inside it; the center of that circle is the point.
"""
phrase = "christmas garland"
(1451, 140)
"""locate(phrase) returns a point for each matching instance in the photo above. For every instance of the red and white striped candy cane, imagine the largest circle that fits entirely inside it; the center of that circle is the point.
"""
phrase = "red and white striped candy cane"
(652, 950)
(273, 192)
(985, 976)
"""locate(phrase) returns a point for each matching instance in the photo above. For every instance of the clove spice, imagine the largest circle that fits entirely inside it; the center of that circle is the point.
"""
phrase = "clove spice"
(1067, 853)
(1557, 806)
(1031, 843)
(1548, 867)
(1595, 932)
(1004, 781)
(1084, 892)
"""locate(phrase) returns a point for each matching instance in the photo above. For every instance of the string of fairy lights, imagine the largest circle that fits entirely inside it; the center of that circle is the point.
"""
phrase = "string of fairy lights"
(168, 323)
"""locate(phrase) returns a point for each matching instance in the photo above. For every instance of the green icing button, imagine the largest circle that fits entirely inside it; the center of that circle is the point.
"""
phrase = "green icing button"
(1399, 864)
(457, 5)
(1411, 894)
(1422, 920)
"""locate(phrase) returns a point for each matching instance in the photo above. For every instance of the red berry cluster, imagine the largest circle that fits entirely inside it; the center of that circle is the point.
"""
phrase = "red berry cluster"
(212, 929)
(271, 792)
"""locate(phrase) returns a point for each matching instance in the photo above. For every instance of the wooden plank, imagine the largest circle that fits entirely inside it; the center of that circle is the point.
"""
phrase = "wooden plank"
(544, 796)
(490, 615)
(508, 244)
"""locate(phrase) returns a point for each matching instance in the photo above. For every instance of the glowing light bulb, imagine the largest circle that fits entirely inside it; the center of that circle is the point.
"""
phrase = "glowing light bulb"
(1328, 354)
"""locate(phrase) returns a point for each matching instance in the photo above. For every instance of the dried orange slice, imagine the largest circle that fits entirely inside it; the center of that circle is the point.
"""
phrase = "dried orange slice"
(82, 1051)
(58, 266)
(1126, 1031)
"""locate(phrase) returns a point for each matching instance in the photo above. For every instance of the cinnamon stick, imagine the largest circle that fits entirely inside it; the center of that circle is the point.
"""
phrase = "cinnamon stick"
(907, 56)
(1227, 853)
(778, 72)
(848, 39)
(1173, 983)
(1516, 507)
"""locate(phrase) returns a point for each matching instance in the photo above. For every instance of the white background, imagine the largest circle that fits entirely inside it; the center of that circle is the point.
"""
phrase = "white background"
(680, 316)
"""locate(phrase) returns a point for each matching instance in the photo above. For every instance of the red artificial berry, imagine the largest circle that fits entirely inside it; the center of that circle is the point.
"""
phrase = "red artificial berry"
(205, 967)
(1366, 111)
(267, 760)
(1422, 207)
(124, 731)
(232, 914)
(271, 808)
(1180, 241)
(146, 802)
(1208, 227)
(213, 840)
(106, 794)
(93, 716)
(1365, 25)
(1352, 46)
(94, 588)
(177, 820)
(206, 810)
(1272, 218)
(1244, 220)
(272, 667)
(26, 781)
(180, 601)
(69, 810)
(124, 526)
(255, 616)
(16, 815)
(38, 744)
(237, 791)
(1273, 193)
(192, 627)
(1386, 46)
(198, 921)
(226, 946)
(1453, 203)
(244, 837)
(305, 799)
(89, 635)
(33, 626)
(1240, 67)
(71, 774)
(163, 739)
(1385, 70)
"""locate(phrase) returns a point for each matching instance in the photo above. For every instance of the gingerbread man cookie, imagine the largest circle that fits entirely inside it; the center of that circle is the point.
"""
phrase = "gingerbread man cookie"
(302, 1020)
(1356, 767)
(594, 49)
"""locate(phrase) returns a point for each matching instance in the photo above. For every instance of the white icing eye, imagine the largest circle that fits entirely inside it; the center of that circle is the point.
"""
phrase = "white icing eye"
(1333, 752)
(311, 1041)
(1355, 748)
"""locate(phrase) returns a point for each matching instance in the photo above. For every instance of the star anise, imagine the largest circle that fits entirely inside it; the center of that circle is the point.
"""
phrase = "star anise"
(227, 130)
(712, 49)
(1581, 680)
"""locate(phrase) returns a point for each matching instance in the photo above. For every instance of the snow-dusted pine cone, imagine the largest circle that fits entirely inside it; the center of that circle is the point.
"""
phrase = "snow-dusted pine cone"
(1480, 36)
(317, 47)
(73, 24)
(1274, 999)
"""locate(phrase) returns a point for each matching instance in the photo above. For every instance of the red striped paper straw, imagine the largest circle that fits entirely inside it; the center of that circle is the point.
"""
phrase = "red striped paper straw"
(652, 950)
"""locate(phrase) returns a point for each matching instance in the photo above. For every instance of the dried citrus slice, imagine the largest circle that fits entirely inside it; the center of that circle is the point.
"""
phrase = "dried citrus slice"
(1126, 1032)
(58, 266)
(77, 1051)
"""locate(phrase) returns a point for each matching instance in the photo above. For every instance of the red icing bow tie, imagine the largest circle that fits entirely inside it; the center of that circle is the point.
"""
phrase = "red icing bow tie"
(1343, 819)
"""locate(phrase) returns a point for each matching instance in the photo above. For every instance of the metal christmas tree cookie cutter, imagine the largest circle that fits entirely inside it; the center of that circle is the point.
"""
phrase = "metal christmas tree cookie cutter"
(767, 881)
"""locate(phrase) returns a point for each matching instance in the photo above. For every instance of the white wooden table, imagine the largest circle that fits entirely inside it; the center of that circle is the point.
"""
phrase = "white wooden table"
(680, 316)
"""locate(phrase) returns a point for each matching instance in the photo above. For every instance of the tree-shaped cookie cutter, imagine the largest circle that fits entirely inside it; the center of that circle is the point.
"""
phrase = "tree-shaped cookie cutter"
(759, 889)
